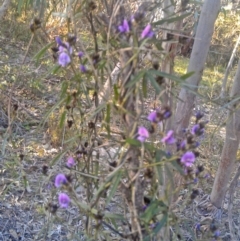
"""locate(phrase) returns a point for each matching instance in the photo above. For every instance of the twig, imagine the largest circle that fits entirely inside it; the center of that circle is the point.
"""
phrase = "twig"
(113, 229)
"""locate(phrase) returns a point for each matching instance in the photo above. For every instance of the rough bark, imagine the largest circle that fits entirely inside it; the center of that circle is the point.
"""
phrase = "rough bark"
(4, 8)
(198, 57)
(230, 148)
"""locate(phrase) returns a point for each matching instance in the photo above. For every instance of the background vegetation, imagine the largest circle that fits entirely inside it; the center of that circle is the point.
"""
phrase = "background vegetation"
(55, 120)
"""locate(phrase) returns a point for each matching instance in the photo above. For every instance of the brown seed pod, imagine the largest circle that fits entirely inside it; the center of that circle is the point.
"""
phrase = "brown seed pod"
(45, 169)
(69, 123)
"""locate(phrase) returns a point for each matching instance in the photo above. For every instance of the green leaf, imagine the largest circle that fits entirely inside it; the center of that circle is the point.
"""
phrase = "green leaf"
(42, 51)
(98, 109)
(114, 216)
(154, 208)
(107, 119)
(116, 92)
(144, 87)
(187, 75)
(171, 20)
(159, 168)
(165, 75)
(133, 142)
(57, 158)
(114, 187)
(177, 167)
(87, 175)
(19, 6)
(136, 78)
(153, 82)
(64, 88)
(55, 69)
(50, 112)
(161, 224)
(62, 119)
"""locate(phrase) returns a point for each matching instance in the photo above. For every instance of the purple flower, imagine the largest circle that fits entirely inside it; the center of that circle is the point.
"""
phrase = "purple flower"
(197, 130)
(70, 162)
(167, 114)
(169, 139)
(181, 145)
(144, 207)
(199, 115)
(216, 234)
(64, 59)
(188, 159)
(63, 200)
(124, 28)
(80, 54)
(60, 180)
(58, 41)
(65, 47)
(195, 180)
(65, 51)
(152, 116)
(83, 68)
(207, 176)
(142, 134)
(198, 227)
(147, 32)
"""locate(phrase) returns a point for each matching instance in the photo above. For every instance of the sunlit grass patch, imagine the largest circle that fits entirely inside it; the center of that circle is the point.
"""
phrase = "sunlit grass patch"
(211, 82)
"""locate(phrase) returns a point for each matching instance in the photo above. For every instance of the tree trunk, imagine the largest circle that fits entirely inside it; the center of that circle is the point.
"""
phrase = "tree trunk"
(230, 148)
(4, 8)
(224, 82)
(167, 64)
(198, 57)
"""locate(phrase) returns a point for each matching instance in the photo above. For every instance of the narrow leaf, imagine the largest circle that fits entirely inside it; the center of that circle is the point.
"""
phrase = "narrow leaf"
(42, 51)
(187, 75)
(107, 119)
(171, 20)
(114, 187)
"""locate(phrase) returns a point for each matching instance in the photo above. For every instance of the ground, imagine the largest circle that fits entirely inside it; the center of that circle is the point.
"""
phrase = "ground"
(28, 143)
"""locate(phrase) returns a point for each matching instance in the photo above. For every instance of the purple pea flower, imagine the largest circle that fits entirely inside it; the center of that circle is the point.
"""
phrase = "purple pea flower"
(66, 48)
(65, 51)
(181, 145)
(59, 41)
(216, 234)
(83, 68)
(80, 54)
(195, 180)
(199, 115)
(63, 200)
(64, 59)
(124, 28)
(142, 134)
(70, 162)
(147, 32)
(197, 130)
(198, 227)
(167, 114)
(207, 176)
(169, 139)
(60, 180)
(188, 159)
(152, 116)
